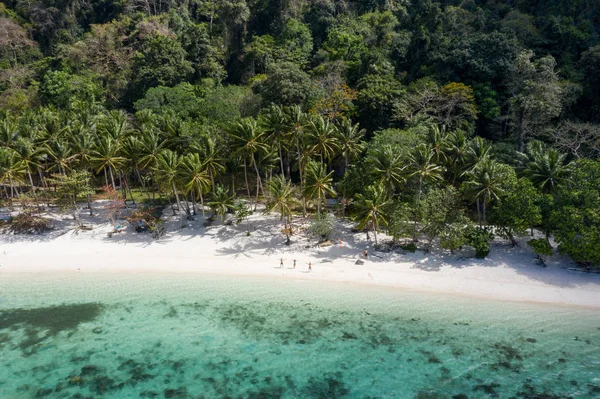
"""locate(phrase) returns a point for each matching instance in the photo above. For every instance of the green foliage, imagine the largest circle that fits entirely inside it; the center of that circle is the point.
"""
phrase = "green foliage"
(479, 239)
(517, 211)
(162, 62)
(321, 226)
(574, 216)
(541, 246)
(70, 189)
(62, 89)
(180, 99)
(286, 84)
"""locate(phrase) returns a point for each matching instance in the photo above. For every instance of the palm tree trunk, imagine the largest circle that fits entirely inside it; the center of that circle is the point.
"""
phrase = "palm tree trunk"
(193, 202)
(281, 159)
(484, 217)
(89, 204)
(246, 179)
(202, 206)
(106, 178)
(176, 197)
(375, 230)
(319, 204)
(258, 181)
(112, 178)
(478, 213)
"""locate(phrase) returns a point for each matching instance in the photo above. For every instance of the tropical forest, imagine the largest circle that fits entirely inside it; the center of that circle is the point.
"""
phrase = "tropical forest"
(446, 123)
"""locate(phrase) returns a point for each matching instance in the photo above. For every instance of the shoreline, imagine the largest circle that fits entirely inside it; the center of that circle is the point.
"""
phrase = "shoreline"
(508, 274)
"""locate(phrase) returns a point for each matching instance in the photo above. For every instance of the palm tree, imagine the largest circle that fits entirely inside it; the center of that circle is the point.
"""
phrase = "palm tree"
(247, 137)
(387, 167)
(546, 168)
(436, 140)
(12, 170)
(168, 170)
(31, 157)
(215, 164)
(195, 179)
(322, 138)
(9, 131)
(349, 138)
(371, 208)
(456, 154)
(274, 123)
(295, 120)
(107, 156)
(318, 183)
(486, 184)
(114, 124)
(60, 154)
(423, 166)
(281, 197)
(221, 201)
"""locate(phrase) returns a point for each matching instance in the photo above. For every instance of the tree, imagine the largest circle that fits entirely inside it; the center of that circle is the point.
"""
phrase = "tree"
(181, 99)
(12, 170)
(286, 84)
(317, 183)
(486, 184)
(281, 198)
(536, 95)
(545, 168)
(162, 62)
(321, 138)
(195, 178)
(371, 208)
(349, 138)
(168, 170)
(422, 165)
(70, 189)
(221, 201)
(518, 210)
(574, 214)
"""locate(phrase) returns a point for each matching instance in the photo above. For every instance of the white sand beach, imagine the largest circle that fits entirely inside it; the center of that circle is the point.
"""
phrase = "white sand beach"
(509, 273)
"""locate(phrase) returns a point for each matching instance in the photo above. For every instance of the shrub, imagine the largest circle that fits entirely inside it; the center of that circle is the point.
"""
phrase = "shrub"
(409, 247)
(28, 223)
(322, 226)
(479, 239)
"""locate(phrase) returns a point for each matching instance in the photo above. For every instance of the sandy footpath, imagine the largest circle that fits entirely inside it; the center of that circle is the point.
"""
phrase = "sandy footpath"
(507, 274)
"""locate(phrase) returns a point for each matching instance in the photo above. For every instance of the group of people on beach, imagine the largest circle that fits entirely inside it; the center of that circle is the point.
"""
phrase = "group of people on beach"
(294, 266)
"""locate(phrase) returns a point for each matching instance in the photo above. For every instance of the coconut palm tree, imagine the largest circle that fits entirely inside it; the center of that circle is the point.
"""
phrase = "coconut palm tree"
(168, 171)
(60, 154)
(421, 164)
(318, 183)
(273, 121)
(30, 156)
(371, 208)
(349, 138)
(486, 184)
(107, 156)
(281, 198)
(12, 170)
(295, 120)
(546, 168)
(206, 146)
(322, 138)
(456, 154)
(195, 178)
(221, 201)
(247, 140)
(387, 167)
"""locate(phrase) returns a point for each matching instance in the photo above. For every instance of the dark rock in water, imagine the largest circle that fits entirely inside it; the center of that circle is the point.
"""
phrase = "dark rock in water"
(275, 392)
(53, 319)
(89, 370)
(97, 330)
(460, 396)
(532, 340)
(331, 387)
(102, 384)
(149, 394)
(489, 389)
(359, 262)
(180, 392)
(43, 393)
(348, 335)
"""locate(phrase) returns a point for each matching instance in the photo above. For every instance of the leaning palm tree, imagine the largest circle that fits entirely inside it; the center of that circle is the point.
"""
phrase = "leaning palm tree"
(349, 138)
(247, 140)
(206, 146)
(196, 180)
(318, 183)
(281, 198)
(168, 170)
(371, 208)
(221, 201)
(60, 154)
(422, 165)
(31, 157)
(486, 184)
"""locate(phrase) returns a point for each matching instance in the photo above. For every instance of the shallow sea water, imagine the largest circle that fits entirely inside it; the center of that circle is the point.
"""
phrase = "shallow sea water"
(182, 336)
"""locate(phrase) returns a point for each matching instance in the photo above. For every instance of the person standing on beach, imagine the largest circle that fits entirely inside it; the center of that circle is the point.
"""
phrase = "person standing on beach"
(281, 263)
(294, 263)
(309, 266)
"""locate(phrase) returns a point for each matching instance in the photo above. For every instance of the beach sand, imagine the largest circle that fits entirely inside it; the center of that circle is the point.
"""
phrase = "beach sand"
(509, 273)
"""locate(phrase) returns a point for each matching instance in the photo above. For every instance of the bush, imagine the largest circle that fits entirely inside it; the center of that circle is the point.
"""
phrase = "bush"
(409, 247)
(28, 223)
(322, 226)
(479, 239)
(541, 246)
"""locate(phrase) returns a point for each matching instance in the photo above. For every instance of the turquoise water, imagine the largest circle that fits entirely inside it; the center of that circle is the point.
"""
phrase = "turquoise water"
(181, 336)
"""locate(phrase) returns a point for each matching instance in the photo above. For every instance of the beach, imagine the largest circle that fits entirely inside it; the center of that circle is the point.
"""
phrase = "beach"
(256, 246)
